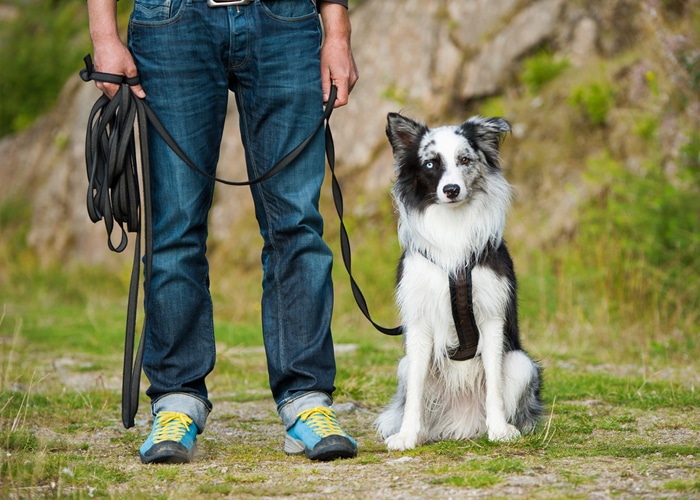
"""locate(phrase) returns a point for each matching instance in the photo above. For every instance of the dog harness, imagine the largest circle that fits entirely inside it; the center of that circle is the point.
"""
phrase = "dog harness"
(463, 313)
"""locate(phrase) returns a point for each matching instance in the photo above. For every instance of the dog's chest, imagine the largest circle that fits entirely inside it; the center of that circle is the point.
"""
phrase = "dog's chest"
(423, 294)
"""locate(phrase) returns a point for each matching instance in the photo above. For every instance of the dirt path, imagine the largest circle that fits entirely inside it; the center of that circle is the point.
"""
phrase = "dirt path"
(240, 456)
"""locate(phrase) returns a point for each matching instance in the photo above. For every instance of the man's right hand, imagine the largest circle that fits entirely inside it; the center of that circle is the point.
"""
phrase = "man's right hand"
(116, 59)
(111, 56)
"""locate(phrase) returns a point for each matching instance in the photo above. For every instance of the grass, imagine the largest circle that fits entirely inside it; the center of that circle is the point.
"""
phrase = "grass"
(60, 433)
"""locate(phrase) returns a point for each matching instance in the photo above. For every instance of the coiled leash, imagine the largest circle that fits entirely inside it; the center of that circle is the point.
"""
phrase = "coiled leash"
(114, 196)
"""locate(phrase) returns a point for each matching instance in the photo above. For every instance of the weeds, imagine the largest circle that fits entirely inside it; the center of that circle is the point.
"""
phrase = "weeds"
(542, 68)
(594, 101)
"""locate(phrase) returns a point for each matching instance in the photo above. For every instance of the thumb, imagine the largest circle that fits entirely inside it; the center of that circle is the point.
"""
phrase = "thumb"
(138, 91)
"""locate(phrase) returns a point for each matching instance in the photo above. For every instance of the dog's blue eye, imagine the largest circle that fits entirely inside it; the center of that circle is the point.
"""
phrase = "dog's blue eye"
(429, 164)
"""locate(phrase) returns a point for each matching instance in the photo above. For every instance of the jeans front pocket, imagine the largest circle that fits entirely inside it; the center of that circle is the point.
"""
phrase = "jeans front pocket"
(157, 12)
(289, 10)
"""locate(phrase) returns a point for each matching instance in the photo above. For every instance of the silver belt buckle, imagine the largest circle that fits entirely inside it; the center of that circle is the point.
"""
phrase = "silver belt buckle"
(227, 3)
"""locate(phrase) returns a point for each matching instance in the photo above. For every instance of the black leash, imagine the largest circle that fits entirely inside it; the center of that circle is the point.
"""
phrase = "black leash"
(114, 196)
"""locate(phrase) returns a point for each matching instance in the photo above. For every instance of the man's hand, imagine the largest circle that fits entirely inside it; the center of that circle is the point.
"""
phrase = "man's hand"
(337, 62)
(111, 56)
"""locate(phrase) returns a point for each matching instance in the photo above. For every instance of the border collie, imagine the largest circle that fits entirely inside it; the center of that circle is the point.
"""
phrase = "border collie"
(452, 201)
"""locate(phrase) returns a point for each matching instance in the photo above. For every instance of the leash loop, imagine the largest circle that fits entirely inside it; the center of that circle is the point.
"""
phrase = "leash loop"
(89, 73)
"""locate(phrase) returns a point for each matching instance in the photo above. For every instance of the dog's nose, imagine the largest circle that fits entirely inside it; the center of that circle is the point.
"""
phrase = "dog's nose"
(451, 191)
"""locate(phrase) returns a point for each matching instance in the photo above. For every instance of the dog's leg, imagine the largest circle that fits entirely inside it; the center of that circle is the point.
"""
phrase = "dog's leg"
(418, 354)
(492, 353)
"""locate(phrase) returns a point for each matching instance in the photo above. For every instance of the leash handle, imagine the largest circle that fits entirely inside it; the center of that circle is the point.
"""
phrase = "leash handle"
(89, 74)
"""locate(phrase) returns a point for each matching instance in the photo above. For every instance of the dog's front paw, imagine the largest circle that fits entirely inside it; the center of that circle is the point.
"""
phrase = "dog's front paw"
(505, 433)
(401, 442)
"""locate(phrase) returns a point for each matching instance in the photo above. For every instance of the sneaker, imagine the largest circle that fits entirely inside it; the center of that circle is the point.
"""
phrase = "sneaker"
(171, 440)
(317, 434)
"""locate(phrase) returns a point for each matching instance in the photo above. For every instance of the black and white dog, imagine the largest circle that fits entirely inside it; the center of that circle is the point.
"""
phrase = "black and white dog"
(452, 200)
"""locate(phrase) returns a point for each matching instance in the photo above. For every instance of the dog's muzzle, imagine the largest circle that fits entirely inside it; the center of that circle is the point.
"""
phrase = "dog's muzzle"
(227, 3)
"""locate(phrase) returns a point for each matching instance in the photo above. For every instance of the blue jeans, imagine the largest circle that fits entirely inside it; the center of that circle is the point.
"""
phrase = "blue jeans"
(189, 57)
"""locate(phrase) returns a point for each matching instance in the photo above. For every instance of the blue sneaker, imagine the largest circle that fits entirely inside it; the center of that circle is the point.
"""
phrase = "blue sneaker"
(172, 439)
(317, 434)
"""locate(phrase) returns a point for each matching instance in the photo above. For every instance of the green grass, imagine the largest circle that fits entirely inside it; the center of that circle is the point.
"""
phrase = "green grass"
(57, 438)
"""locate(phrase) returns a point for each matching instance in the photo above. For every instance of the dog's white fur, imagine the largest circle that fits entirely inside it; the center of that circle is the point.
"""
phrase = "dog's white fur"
(439, 398)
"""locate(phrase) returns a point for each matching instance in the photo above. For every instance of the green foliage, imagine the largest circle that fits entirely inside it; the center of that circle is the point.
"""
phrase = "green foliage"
(40, 49)
(630, 269)
(646, 127)
(593, 100)
(542, 68)
(650, 219)
(492, 106)
(689, 160)
(683, 485)
(691, 62)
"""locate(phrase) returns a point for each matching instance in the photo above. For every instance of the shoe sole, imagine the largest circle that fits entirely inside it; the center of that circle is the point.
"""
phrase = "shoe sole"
(167, 452)
(329, 448)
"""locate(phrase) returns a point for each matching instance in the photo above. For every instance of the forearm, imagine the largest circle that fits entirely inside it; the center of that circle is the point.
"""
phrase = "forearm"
(102, 17)
(111, 56)
(337, 62)
(344, 3)
(336, 21)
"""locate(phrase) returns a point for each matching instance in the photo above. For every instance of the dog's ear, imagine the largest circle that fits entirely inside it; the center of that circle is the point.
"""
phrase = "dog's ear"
(486, 132)
(404, 134)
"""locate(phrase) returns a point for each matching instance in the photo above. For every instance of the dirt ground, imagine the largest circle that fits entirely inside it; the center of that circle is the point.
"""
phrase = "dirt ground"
(239, 432)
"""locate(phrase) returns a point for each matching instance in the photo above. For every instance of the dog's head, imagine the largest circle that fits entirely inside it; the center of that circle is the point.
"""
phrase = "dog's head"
(446, 165)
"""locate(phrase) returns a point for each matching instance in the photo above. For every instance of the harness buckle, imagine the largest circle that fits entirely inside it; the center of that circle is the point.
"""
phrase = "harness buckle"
(227, 3)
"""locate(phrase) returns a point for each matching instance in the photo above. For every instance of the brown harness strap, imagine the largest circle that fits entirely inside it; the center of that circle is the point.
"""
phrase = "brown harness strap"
(463, 314)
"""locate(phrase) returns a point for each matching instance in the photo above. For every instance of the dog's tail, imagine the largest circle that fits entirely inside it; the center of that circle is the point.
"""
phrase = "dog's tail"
(530, 408)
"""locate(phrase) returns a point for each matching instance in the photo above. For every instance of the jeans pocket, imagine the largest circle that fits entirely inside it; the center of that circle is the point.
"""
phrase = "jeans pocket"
(157, 12)
(289, 10)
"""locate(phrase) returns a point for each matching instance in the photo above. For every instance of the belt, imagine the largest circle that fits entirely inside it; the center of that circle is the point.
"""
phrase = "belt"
(226, 3)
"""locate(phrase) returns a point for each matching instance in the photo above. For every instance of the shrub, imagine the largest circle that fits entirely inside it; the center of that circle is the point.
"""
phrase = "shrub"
(40, 49)
(542, 68)
(594, 101)
(638, 245)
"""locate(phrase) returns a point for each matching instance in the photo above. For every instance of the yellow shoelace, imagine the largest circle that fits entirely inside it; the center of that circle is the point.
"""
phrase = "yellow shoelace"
(172, 426)
(322, 421)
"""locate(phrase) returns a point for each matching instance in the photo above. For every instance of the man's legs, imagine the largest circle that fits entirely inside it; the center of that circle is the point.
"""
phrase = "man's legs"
(175, 48)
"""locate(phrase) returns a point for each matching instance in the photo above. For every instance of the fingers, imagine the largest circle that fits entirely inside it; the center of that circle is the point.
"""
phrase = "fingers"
(114, 58)
(110, 89)
(343, 76)
(342, 95)
(138, 91)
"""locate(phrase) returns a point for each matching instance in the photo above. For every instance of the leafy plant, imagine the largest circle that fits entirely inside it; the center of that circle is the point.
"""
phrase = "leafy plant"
(594, 100)
(632, 262)
(542, 68)
(40, 49)
(41, 46)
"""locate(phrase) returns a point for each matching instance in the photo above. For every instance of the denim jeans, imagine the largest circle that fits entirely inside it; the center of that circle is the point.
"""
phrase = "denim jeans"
(190, 56)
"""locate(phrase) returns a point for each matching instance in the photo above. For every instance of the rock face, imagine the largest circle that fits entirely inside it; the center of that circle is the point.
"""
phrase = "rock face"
(420, 57)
